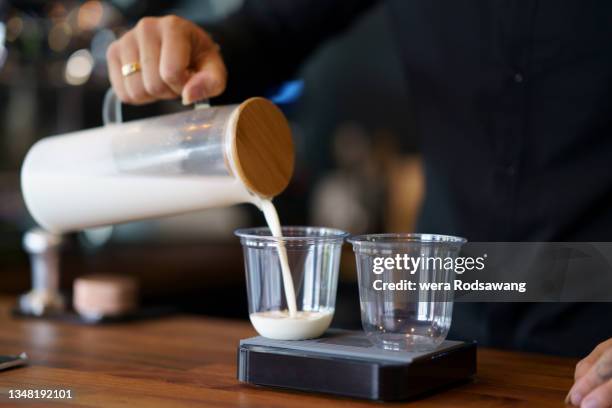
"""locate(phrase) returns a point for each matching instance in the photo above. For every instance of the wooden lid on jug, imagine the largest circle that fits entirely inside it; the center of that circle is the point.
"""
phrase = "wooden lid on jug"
(263, 148)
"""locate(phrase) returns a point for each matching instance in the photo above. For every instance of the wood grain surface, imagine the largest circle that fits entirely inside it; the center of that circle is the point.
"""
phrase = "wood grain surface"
(187, 361)
(263, 149)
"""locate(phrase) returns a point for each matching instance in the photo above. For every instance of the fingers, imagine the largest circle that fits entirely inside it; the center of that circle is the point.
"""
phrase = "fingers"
(600, 397)
(114, 69)
(208, 80)
(133, 84)
(175, 54)
(586, 363)
(597, 375)
(176, 57)
(149, 46)
(583, 367)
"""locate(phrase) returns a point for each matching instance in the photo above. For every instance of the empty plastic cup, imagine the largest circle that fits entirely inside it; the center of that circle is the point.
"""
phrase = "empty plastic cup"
(397, 314)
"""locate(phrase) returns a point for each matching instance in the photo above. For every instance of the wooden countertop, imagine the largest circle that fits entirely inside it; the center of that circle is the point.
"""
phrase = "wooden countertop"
(186, 361)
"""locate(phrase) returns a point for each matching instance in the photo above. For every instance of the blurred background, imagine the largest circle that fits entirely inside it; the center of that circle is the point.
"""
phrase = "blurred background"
(357, 169)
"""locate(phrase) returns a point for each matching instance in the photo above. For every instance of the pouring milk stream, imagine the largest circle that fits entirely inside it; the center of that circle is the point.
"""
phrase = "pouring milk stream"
(169, 165)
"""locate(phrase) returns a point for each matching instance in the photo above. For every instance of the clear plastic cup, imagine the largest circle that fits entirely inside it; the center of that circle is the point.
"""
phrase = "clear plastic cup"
(402, 319)
(313, 255)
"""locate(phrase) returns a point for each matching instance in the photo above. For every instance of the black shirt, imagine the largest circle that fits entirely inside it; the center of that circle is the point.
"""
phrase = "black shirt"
(513, 103)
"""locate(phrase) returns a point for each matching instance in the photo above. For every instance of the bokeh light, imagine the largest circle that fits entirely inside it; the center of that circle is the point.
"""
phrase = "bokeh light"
(100, 42)
(79, 67)
(57, 11)
(14, 27)
(59, 36)
(90, 15)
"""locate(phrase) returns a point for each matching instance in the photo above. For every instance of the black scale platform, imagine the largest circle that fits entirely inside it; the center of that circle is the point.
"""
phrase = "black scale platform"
(345, 363)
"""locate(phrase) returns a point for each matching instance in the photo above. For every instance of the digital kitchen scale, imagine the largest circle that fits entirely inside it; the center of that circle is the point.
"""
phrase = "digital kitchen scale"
(346, 363)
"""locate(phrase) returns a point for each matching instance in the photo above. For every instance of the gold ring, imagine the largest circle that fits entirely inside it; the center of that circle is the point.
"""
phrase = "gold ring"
(129, 69)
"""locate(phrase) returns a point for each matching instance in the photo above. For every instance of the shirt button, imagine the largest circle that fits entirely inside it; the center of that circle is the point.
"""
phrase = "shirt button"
(518, 78)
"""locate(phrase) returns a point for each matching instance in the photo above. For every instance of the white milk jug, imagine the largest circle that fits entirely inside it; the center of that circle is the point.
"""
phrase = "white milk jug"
(171, 164)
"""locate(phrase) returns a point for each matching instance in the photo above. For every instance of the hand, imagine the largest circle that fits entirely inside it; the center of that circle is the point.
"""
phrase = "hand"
(177, 58)
(593, 379)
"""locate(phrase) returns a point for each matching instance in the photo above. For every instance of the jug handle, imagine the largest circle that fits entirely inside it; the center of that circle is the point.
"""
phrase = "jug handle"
(111, 107)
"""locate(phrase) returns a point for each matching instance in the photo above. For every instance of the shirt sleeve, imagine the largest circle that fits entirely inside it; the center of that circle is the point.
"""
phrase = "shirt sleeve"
(265, 41)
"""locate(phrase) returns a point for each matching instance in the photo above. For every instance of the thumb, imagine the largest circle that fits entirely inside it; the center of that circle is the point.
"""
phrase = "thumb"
(208, 80)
